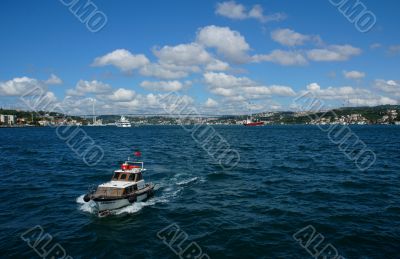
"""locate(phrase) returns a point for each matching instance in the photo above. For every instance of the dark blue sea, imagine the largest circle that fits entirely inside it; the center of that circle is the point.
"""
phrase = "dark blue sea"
(288, 178)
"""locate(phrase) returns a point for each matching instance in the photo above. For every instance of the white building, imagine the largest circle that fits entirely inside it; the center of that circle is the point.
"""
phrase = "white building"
(7, 119)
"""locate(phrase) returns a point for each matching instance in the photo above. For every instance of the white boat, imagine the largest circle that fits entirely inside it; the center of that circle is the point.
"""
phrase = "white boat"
(123, 123)
(127, 186)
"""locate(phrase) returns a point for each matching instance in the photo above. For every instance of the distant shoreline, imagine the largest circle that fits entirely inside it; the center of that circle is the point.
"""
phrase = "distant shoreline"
(228, 125)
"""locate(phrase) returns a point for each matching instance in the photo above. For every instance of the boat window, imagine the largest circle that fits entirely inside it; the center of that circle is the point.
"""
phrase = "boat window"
(138, 177)
(123, 177)
(135, 187)
(131, 177)
(116, 176)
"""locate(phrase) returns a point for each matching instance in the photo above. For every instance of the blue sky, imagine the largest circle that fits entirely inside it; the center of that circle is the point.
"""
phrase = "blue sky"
(224, 56)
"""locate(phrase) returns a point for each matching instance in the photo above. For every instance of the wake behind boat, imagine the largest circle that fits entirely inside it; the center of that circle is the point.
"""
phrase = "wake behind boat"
(126, 187)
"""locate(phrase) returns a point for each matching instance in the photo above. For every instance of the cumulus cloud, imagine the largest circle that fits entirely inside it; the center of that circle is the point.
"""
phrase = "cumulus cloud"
(372, 101)
(233, 10)
(183, 55)
(355, 96)
(282, 57)
(388, 86)
(20, 86)
(188, 57)
(333, 53)
(230, 44)
(354, 74)
(122, 59)
(94, 87)
(161, 72)
(211, 103)
(217, 65)
(231, 86)
(289, 37)
(53, 80)
(165, 85)
(121, 95)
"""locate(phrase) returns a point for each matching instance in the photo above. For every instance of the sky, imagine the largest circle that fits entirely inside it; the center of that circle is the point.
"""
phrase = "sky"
(223, 57)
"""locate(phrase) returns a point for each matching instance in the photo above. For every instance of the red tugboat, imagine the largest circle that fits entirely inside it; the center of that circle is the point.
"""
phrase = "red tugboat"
(250, 122)
(126, 187)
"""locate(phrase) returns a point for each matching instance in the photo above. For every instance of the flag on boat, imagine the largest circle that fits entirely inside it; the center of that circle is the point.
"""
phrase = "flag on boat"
(137, 153)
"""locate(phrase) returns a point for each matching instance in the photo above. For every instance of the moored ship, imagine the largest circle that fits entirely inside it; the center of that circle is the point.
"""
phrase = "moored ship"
(123, 123)
(251, 122)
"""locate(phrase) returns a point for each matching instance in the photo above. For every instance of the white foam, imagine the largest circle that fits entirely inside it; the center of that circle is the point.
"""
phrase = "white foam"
(187, 181)
(86, 206)
(166, 191)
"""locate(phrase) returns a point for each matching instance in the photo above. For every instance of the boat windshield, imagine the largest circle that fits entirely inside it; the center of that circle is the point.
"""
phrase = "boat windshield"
(116, 176)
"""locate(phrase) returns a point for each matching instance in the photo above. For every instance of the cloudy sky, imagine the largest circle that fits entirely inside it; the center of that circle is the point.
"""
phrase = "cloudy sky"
(227, 57)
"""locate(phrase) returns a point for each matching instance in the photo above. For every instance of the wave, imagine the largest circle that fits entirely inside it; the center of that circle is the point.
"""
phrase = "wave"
(187, 181)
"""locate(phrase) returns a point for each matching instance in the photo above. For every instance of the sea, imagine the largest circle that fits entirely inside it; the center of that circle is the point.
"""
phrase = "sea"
(292, 194)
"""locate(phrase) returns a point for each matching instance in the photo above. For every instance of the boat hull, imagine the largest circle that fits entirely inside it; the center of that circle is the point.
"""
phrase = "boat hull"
(103, 205)
(253, 124)
(108, 204)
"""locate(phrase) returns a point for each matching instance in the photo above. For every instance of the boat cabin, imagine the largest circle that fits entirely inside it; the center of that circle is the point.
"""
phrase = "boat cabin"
(124, 181)
(127, 176)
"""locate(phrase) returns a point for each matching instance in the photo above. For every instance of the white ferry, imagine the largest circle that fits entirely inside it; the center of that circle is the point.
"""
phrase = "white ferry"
(123, 123)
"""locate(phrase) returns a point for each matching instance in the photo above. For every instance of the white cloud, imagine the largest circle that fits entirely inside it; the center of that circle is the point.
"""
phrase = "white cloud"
(230, 86)
(161, 72)
(372, 101)
(336, 92)
(389, 86)
(333, 53)
(217, 65)
(164, 85)
(122, 95)
(282, 57)
(355, 96)
(289, 37)
(94, 87)
(183, 55)
(122, 59)
(230, 44)
(222, 80)
(353, 74)
(188, 58)
(233, 10)
(20, 86)
(210, 103)
(53, 80)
